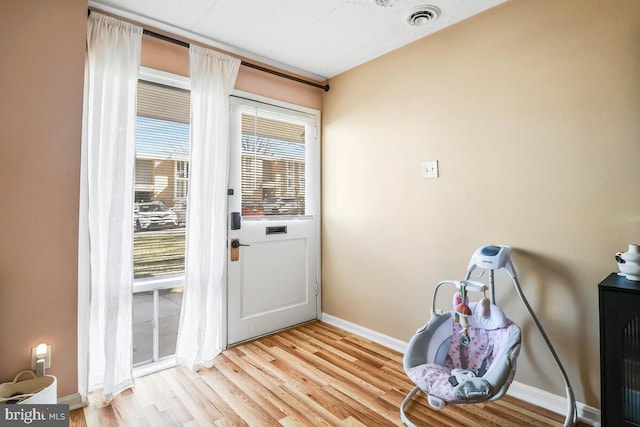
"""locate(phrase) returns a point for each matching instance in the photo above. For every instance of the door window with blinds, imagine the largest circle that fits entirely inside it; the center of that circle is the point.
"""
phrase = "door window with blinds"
(159, 211)
(275, 162)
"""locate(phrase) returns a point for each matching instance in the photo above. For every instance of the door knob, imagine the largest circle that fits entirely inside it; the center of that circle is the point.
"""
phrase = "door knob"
(236, 244)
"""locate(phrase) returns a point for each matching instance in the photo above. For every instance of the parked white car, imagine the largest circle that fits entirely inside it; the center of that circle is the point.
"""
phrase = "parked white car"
(149, 215)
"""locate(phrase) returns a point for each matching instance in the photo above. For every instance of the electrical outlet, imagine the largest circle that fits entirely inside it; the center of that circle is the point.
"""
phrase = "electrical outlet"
(430, 169)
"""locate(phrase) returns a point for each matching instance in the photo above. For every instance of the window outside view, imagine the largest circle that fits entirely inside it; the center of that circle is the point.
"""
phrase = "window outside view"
(159, 213)
(273, 166)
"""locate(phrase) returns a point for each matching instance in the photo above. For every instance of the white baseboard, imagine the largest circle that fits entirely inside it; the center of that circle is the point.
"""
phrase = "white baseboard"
(552, 402)
(75, 401)
(558, 404)
(369, 334)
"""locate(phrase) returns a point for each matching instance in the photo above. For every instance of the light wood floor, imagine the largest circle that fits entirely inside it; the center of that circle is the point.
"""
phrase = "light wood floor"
(311, 375)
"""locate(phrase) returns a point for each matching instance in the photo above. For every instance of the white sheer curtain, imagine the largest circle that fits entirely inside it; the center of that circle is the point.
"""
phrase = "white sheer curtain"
(105, 270)
(212, 78)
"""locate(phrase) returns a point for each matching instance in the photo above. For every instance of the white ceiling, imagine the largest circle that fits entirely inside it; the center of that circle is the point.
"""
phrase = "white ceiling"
(316, 38)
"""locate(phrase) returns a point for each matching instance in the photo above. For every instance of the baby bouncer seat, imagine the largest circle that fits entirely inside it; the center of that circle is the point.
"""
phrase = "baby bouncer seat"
(469, 354)
(456, 363)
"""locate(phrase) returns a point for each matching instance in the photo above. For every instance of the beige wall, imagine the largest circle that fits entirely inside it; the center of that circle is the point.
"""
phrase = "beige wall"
(41, 81)
(533, 111)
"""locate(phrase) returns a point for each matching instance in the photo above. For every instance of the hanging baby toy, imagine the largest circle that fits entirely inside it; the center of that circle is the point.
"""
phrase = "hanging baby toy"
(472, 357)
(462, 313)
(485, 304)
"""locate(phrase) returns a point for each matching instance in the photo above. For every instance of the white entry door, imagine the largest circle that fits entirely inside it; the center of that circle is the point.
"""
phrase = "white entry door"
(273, 219)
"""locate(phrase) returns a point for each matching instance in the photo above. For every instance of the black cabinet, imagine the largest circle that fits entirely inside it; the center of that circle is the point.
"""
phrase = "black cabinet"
(619, 351)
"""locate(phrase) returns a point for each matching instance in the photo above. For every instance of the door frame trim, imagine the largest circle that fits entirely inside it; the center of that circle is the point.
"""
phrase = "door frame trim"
(224, 340)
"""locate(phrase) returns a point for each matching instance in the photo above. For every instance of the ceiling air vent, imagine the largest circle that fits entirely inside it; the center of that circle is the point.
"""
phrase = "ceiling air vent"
(424, 15)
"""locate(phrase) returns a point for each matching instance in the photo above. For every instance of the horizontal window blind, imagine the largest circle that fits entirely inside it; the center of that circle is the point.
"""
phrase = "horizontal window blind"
(158, 101)
(273, 165)
(161, 181)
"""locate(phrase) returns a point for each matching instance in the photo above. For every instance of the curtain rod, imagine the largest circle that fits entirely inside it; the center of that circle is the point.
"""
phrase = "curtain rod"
(245, 63)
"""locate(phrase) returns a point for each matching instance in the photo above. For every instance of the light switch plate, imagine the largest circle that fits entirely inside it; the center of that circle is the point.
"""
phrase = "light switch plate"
(430, 169)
